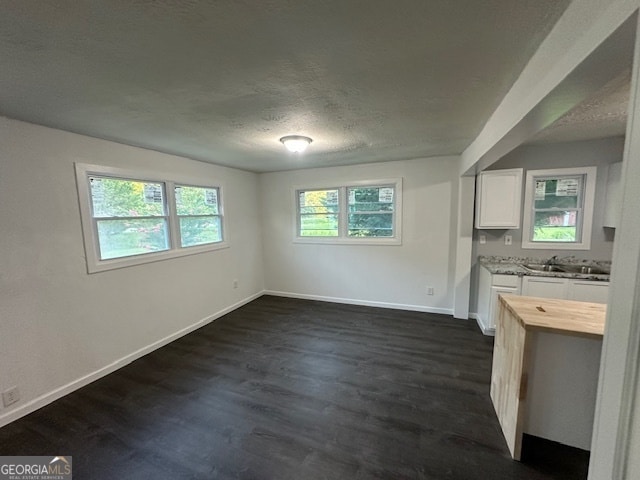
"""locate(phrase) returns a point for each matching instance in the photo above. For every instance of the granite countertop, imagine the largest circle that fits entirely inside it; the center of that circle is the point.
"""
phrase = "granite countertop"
(513, 266)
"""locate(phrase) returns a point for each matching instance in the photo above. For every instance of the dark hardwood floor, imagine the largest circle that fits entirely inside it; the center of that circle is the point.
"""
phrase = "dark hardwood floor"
(294, 389)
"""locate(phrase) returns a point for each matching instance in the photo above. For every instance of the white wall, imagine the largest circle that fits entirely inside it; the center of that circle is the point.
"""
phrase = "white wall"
(61, 327)
(395, 276)
(616, 440)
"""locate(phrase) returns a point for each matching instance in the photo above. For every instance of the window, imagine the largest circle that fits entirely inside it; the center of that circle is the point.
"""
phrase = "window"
(198, 211)
(129, 218)
(318, 213)
(371, 211)
(359, 212)
(559, 208)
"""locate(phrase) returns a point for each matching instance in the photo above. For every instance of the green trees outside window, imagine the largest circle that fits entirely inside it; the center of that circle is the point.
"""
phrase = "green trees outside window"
(132, 219)
(318, 213)
(365, 211)
(557, 207)
(371, 211)
(130, 216)
(198, 209)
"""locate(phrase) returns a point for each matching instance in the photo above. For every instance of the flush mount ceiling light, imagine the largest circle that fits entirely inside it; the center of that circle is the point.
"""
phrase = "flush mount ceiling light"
(296, 143)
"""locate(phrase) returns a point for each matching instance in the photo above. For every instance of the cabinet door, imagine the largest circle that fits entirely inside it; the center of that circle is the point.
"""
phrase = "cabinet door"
(493, 308)
(499, 199)
(589, 291)
(545, 287)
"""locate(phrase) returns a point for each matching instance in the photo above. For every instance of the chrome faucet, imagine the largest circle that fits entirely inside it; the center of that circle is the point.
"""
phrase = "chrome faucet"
(551, 261)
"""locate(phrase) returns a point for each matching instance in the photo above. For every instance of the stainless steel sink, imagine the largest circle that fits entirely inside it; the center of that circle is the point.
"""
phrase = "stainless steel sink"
(564, 268)
(543, 268)
(585, 269)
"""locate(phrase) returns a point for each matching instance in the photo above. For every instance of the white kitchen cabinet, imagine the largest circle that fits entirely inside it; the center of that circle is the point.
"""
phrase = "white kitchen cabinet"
(489, 287)
(588, 291)
(498, 199)
(566, 289)
(613, 202)
(546, 287)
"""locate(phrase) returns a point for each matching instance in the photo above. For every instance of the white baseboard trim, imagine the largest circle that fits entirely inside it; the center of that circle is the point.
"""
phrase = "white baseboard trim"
(366, 303)
(60, 392)
(490, 332)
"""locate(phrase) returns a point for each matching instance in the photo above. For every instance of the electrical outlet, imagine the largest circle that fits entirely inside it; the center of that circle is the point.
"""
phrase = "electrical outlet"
(10, 396)
(483, 239)
(508, 239)
(429, 290)
(235, 284)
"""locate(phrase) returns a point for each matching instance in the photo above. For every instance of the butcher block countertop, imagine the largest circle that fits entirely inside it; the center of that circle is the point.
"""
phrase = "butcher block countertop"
(557, 316)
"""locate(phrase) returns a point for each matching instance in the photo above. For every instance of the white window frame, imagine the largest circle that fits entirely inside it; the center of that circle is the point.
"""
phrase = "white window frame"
(90, 235)
(343, 218)
(586, 219)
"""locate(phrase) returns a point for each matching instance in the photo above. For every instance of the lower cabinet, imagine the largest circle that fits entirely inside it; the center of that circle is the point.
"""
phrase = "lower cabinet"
(566, 288)
(545, 287)
(588, 291)
(490, 286)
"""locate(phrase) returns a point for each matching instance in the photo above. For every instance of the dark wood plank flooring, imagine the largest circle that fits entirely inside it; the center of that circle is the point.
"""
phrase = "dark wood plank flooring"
(294, 389)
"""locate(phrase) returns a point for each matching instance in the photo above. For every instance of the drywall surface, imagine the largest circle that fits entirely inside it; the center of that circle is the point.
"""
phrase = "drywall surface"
(464, 235)
(386, 275)
(598, 153)
(561, 388)
(61, 326)
(617, 416)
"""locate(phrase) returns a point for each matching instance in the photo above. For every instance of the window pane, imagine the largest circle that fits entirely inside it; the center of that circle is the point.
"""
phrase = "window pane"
(122, 238)
(370, 225)
(318, 201)
(113, 197)
(318, 213)
(561, 192)
(197, 200)
(555, 226)
(370, 199)
(319, 225)
(200, 230)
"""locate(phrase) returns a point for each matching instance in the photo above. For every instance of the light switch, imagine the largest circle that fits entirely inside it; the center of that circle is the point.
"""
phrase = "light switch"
(483, 239)
(508, 239)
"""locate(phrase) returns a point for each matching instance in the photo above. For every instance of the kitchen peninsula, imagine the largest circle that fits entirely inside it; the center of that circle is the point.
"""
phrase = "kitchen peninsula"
(545, 369)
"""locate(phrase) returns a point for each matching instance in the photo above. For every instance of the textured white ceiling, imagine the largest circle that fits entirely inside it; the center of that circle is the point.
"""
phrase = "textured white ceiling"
(603, 114)
(222, 81)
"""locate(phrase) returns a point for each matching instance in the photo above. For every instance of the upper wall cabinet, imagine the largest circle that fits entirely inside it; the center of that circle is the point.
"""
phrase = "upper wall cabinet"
(613, 204)
(499, 199)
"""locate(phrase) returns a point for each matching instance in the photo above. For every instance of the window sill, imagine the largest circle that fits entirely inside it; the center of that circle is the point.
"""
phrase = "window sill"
(116, 263)
(348, 241)
(556, 246)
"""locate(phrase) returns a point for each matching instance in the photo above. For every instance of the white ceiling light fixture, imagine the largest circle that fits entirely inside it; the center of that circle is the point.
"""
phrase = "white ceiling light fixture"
(296, 143)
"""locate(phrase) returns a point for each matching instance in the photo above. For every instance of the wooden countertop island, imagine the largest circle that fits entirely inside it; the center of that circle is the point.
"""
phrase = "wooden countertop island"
(557, 316)
(523, 388)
